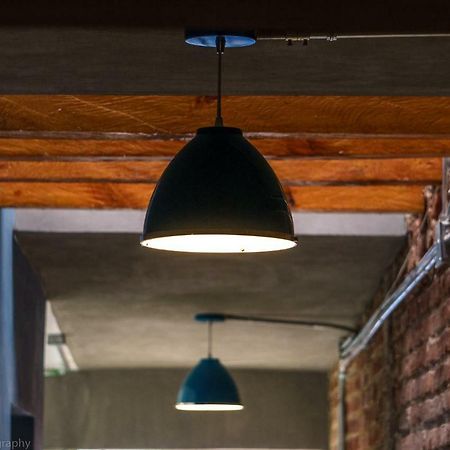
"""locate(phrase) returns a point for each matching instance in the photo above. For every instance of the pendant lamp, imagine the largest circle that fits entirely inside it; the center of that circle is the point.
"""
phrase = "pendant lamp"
(219, 194)
(209, 386)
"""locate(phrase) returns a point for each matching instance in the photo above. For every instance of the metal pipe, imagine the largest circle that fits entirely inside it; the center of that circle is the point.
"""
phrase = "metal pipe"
(221, 317)
(445, 188)
(352, 348)
(342, 379)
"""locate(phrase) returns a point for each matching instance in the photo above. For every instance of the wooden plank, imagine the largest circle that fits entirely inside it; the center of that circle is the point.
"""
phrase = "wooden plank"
(178, 115)
(289, 171)
(75, 195)
(382, 198)
(282, 126)
(360, 171)
(357, 198)
(300, 145)
(100, 171)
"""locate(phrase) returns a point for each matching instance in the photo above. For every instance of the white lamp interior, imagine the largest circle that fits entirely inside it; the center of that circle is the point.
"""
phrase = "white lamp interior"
(219, 243)
(207, 407)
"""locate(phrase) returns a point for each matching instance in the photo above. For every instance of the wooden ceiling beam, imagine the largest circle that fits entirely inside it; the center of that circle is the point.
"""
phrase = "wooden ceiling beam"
(383, 198)
(304, 146)
(291, 172)
(280, 126)
(261, 116)
(330, 153)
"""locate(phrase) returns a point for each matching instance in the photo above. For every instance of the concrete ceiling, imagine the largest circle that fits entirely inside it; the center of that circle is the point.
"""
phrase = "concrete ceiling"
(125, 306)
(77, 60)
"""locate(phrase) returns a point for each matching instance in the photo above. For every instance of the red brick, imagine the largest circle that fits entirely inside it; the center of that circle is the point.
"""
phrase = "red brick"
(353, 443)
(354, 403)
(413, 362)
(354, 425)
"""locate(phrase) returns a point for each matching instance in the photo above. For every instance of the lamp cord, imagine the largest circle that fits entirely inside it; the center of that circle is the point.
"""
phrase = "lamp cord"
(210, 324)
(220, 47)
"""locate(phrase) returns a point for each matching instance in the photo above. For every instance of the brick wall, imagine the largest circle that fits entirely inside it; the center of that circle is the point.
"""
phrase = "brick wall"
(421, 345)
(398, 393)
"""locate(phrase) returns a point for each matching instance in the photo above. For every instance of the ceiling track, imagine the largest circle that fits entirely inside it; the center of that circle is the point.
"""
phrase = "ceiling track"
(332, 37)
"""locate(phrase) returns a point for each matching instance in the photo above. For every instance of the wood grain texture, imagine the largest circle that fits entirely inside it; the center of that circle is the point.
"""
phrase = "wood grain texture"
(108, 151)
(304, 145)
(383, 198)
(75, 195)
(289, 171)
(175, 115)
(357, 198)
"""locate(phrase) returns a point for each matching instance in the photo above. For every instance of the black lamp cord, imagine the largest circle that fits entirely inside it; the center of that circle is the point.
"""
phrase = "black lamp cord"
(210, 324)
(220, 47)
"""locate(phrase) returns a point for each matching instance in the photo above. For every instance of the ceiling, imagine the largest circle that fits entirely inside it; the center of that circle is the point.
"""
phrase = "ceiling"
(82, 60)
(124, 306)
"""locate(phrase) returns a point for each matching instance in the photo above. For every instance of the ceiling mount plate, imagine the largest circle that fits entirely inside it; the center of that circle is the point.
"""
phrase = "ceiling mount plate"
(209, 317)
(204, 38)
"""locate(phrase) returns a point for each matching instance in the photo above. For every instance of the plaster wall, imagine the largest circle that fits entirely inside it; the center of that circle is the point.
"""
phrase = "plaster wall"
(135, 409)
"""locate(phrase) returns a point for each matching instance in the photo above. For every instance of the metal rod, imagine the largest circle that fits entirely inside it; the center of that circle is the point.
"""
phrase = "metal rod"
(266, 36)
(220, 47)
(305, 323)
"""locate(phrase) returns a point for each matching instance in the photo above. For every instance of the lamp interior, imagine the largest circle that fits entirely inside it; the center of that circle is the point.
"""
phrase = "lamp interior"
(218, 243)
(208, 407)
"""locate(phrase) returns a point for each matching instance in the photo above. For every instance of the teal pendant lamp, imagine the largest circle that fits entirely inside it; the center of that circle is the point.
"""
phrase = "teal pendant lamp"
(209, 386)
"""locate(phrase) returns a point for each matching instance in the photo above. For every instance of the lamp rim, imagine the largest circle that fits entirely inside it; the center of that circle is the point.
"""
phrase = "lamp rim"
(237, 243)
(219, 231)
(191, 406)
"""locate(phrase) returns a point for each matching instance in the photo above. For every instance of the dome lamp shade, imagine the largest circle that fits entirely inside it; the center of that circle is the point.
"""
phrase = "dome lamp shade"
(218, 195)
(208, 387)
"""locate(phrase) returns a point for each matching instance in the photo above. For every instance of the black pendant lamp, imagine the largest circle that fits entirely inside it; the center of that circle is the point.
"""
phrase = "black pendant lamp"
(219, 194)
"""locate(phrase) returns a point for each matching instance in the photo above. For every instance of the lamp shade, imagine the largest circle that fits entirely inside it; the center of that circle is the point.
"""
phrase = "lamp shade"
(208, 387)
(218, 195)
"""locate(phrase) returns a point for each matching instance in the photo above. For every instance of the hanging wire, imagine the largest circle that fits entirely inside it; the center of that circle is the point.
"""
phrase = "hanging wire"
(210, 324)
(220, 47)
